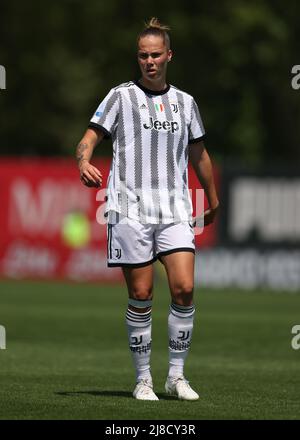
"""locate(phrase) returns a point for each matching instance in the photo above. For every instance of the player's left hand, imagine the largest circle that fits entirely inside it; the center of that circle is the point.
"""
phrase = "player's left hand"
(210, 214)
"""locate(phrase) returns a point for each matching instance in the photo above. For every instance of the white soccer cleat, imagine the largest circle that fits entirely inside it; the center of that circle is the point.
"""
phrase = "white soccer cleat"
(144, 390)
(179, 386)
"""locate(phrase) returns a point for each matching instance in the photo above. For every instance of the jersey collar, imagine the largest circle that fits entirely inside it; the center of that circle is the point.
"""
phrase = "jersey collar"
(152, 92)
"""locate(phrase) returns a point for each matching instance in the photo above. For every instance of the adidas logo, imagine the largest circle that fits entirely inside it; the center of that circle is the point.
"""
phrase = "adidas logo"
(143, 107)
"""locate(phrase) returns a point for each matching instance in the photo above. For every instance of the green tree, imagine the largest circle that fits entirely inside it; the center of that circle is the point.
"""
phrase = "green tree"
(234, 57)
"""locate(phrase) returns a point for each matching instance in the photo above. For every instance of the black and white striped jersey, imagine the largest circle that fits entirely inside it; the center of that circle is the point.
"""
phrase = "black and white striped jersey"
(150, 130)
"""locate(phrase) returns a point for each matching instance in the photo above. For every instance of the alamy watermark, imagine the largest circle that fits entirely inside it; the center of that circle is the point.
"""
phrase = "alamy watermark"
(151, 206)
(2, 78)
(2, 338)
(296, 79)
(296, 339)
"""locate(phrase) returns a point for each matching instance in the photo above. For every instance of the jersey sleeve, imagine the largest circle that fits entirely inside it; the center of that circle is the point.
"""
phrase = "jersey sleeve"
(196, 128)
(106, 116)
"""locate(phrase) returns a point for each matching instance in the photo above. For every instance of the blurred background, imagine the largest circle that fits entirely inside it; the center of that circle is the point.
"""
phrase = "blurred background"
(235, 58)
(62, 308)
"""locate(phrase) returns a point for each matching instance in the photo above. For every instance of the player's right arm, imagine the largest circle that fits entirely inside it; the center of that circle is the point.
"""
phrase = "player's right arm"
(89, 175)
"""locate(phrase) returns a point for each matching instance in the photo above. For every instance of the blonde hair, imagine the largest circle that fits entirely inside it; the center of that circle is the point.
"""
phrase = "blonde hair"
(154, 27)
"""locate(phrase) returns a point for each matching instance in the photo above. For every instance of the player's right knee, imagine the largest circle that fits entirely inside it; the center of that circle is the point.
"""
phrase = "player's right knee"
(141, 293)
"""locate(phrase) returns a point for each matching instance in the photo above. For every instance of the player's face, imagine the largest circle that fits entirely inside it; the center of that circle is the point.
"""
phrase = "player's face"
(153, 57)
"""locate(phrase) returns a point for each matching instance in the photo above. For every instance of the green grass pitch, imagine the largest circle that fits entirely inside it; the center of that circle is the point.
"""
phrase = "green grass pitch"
(66, 354)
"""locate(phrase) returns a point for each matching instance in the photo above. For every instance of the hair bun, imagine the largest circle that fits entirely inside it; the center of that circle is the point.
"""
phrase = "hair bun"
(154, 23)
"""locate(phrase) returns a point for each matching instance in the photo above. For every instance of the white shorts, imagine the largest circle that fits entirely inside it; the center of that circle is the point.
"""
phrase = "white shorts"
(131, 243)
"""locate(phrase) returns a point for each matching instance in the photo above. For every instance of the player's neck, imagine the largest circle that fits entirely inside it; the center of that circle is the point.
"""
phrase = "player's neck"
(156, 86)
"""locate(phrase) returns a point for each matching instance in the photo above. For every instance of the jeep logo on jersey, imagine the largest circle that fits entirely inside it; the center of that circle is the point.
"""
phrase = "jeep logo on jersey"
(165, 125)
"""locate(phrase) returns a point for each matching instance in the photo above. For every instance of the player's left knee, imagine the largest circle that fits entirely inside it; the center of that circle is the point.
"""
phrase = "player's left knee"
(183, 294)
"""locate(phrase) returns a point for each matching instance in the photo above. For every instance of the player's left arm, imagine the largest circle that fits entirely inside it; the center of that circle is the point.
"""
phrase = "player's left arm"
(202, 165)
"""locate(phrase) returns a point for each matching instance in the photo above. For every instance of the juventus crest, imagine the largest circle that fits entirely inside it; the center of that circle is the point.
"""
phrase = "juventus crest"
(174, 107)
(118, 253)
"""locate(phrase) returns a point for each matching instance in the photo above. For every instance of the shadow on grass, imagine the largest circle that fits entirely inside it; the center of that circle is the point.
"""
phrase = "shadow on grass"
(109, 394)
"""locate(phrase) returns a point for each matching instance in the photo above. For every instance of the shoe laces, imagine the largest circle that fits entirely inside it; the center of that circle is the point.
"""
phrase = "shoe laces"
(146, 382)
(180, 379)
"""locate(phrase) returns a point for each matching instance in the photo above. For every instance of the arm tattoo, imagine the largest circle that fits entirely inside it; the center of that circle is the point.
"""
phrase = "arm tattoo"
(81, 148)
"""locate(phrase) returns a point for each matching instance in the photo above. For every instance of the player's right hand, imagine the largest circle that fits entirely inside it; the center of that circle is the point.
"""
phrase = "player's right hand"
(90, 176)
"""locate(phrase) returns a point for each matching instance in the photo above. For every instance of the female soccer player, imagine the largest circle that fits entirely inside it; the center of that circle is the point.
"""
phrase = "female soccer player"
(155, 129)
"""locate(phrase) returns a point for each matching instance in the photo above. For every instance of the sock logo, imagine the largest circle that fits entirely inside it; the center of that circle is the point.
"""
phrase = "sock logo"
(179, 346)
(136, 341)
(184, 335)
(141, 349)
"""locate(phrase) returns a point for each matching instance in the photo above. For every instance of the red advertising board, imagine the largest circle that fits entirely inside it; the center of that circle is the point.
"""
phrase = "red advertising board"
(209, 235)
(48, 222)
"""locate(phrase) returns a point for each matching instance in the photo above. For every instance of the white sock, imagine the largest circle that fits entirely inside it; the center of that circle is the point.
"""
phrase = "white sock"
(139, 337)
(180, 328)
